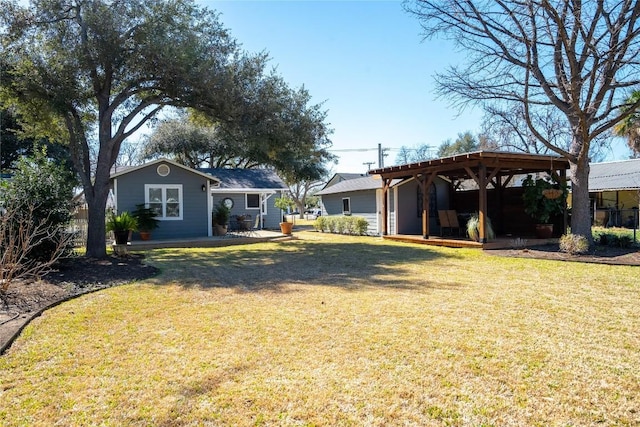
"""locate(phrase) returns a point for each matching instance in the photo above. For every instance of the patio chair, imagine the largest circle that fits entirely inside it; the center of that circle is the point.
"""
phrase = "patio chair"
(449, 219)
(254, 227)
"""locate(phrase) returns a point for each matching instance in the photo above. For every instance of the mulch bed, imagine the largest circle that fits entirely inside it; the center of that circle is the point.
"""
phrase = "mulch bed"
(25, 300)
(599, 254)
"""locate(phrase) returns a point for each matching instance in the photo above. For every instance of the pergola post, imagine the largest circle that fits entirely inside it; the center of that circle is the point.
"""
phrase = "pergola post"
(385, 206)
(482, 208)
(565, 215)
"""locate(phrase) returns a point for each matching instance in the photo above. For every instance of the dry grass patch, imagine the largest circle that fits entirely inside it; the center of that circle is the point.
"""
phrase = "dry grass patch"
(336, 330)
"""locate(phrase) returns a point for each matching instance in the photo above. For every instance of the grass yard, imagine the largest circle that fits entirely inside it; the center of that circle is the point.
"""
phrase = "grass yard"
(337, 331)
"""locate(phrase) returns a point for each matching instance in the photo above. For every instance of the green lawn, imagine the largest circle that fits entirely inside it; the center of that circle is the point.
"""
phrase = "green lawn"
(329, 330)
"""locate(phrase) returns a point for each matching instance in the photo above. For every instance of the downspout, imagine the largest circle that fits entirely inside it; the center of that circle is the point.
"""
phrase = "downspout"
(209, 209)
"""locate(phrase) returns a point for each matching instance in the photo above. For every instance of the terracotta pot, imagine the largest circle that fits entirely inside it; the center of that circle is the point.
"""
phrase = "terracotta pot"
(219, 230)
(145, 235)
(544, 231)
(286, 227)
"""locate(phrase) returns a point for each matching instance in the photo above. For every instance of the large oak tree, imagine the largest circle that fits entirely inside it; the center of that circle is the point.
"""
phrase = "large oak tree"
(96, 71)
(579, 57)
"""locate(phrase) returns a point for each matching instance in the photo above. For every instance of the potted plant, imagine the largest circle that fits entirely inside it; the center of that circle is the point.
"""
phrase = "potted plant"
(284, 203)
(543, 199)
(221, 215)
(122, 225)
(473, 225)
(146, 219)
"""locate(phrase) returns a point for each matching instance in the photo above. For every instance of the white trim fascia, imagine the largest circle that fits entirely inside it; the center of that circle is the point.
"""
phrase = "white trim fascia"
(247, 190)
(209, 210)
(115, 193)
(171, 162)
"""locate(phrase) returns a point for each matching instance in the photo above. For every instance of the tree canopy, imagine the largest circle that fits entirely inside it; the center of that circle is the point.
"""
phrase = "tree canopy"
(629, 128)
(578, 58)
(92, 72)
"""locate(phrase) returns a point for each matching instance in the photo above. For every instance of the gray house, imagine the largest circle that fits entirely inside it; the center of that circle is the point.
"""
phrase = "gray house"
(352, 194)
(249, 192)
(185, 197)
(614, 188)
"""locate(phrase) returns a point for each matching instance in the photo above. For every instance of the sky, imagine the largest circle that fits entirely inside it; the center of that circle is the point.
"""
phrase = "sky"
(369, 65)
(365, 61)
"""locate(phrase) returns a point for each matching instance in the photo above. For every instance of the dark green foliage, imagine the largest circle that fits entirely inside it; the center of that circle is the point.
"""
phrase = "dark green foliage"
(122, 222)
(614, 240)
(536, 204)
(145, 218)
(221, 214)
(40, 191)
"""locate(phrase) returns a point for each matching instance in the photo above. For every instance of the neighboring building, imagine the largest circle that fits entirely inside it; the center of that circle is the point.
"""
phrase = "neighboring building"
(362, 196)
(185, 197)
(615, 190)
(357, 196)
(339, 177)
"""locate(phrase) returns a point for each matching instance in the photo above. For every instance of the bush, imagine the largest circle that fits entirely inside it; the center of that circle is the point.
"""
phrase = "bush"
(320, 224)
(35, 213)
(614, 240)
(353, 225)
(574, 244)
(40, 191)
(473, 228)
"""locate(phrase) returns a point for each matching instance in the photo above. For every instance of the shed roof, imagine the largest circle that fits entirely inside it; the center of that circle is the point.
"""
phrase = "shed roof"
(620, 175)
(354, 184)
(246, 179)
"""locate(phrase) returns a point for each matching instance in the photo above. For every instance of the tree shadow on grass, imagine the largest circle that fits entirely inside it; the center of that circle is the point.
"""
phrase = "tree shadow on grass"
(349, 265)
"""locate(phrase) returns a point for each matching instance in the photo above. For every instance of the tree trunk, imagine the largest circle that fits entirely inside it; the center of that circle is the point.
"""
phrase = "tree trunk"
(580, 206)
(96, 231)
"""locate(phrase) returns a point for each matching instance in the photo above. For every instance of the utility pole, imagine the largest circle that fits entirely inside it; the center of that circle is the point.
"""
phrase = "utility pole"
(368, 165)
(382, 153)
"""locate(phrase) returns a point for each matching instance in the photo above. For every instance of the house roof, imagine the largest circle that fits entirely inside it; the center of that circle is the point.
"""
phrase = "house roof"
(354, 184)
(246, 179)
(341, 176)
(129, 169)
(620, 175)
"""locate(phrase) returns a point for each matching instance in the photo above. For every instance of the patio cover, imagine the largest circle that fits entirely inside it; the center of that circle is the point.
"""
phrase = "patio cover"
(484, 167)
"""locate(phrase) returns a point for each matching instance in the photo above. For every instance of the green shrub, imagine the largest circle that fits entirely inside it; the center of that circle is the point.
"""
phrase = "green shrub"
(320, 224)
(352, 225)
(361, 226)
(574, 244)
(40, 192)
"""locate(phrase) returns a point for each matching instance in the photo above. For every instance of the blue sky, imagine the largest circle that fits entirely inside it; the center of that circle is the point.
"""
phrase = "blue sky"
(365, 60)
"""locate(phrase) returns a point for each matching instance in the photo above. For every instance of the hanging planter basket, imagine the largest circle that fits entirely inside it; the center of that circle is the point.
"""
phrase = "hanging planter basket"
(552, 193)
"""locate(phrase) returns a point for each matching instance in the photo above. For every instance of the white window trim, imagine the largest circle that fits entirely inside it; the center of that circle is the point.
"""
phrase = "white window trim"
(164, 188)
(349, 211)
(246, 201)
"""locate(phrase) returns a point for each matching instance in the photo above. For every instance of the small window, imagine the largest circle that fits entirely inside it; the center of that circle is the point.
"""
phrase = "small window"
(165, 200)
(253, 201)
(346, 206)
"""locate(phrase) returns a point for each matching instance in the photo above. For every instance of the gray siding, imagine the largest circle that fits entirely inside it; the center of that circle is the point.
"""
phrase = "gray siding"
(409, 219)
(130, 191)
(363, 204)
(271, 220)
